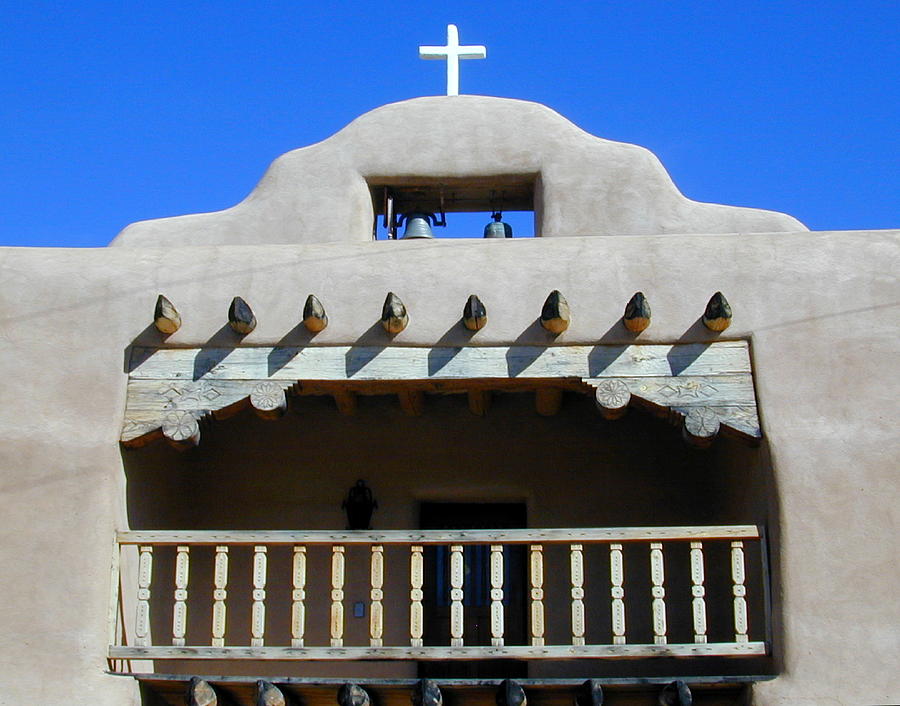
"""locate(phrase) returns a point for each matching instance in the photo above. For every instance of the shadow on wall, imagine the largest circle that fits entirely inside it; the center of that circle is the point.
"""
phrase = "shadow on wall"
(573, 469)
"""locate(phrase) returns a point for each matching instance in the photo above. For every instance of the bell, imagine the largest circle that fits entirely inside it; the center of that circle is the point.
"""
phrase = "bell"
(418, 225)
(497, 228)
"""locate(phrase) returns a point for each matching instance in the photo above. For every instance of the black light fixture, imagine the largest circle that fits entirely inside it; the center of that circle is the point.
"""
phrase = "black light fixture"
(359, 505)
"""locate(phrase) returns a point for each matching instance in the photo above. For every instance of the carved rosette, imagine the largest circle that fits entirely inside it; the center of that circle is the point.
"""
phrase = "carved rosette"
(701, 424)
(268, 400)
(181, 429)
(612, 398)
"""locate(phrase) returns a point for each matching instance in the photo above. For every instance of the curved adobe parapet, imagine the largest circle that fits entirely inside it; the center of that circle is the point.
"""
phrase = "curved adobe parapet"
(583, 185)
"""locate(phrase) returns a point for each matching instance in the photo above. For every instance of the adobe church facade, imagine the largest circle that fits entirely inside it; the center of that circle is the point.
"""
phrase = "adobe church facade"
(699, 491)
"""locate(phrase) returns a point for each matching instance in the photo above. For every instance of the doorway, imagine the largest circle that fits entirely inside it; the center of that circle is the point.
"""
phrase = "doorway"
(476, 587)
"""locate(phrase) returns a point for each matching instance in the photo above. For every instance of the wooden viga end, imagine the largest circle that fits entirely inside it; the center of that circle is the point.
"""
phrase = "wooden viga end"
(704, 388)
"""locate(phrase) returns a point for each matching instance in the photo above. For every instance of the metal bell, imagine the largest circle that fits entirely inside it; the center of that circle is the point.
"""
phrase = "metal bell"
(418, 225)
(497, 228)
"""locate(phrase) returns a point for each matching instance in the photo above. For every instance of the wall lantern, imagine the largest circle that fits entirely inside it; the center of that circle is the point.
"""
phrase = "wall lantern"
(359, 505)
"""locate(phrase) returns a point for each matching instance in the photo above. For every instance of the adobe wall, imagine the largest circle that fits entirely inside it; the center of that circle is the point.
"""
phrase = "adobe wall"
(820, 309)
(585, 185)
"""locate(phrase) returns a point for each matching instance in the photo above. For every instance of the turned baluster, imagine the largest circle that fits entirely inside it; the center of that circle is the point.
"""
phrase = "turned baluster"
(376, 610)
(298, 595)
(537, 595)
(617, 593)
(576, 564)
(337, 596)
(457, 571)
(142, 611)
(698, 603)
(740, 591)
(497, 595)
(258, 611)
(416, 578)
(658, 577)
(220, 581)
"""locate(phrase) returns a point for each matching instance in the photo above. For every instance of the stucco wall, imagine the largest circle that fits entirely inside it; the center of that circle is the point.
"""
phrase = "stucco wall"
(820, 309)
(585, 185)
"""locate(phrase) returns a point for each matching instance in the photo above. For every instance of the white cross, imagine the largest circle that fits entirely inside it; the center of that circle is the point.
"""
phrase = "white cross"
(453, 52)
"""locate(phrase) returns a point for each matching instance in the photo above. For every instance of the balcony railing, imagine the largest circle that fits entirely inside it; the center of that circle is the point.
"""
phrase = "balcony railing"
(582, 593)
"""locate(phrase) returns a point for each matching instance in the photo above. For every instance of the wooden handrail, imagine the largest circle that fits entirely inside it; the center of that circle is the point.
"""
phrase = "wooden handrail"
(514, 536)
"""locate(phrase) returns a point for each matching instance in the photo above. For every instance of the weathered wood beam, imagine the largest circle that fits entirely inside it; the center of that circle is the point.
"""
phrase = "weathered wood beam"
(717, 316)
(268, 400)
(479, 401)
(165, 316)
(393, 314)
(555, 315)
(701, 425)
(511, 693)
(412, 402)
(267, 694)
(240, 317)
(474, 314)
(612, 397)
(314, 317)
(660, 377)
(548, 400)
(637, 313)
(353, 695)
(200, 693)
(676, 693)
(345, 401)
(181, 429)
(589, 694)
(426, 692)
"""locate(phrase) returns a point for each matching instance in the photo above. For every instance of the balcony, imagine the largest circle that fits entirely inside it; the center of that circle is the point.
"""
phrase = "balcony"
(440, 596)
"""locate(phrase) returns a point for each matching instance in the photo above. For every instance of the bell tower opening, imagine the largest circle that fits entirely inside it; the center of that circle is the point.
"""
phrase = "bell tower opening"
(498, 206)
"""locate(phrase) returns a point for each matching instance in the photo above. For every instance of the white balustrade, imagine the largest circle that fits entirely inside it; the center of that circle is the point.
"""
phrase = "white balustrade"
(515, 573)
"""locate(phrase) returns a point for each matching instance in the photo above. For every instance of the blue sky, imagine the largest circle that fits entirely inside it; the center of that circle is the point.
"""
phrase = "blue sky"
(117, 112)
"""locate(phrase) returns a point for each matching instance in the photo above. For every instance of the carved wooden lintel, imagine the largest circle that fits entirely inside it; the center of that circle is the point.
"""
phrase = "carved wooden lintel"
(474, 314)
(702, 386)
(314, 317)
(555, 314)
(241, 317)
(200, 693)
(717, 316)
(637, 313)
(165, 316)
(393, 314)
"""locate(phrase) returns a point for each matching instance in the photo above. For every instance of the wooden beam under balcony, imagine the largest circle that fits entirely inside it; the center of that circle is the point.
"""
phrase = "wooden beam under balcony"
(676, 381)
(243, 691)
